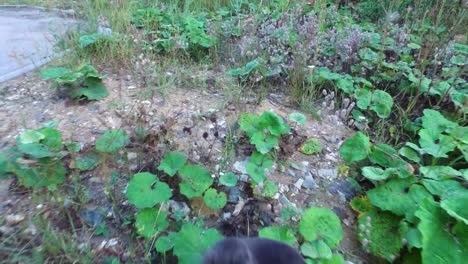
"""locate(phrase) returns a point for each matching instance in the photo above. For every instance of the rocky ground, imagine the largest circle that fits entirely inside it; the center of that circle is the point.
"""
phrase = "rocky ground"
(186, 120)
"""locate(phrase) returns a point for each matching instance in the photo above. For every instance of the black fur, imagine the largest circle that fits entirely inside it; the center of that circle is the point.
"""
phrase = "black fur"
(252, 251)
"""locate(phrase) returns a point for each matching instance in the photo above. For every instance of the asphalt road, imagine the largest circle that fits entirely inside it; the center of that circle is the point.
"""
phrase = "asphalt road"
(27, 38)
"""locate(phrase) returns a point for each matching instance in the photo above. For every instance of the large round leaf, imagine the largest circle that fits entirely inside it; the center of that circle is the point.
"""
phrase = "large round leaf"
(150, 222)
(228, 179)
(191, 242)
(382, 103)
(92, 89)
(264, 142)
(443, 239)
(214, 200)
(298, 118)
(321, 223)
(273, 123)
(173, 162)
(400, 196)
(112, 141)
(52, 139)
(355, 148)
(317, 249)
(30, 136)
(280, 233)
(145, 190)
(196, 180)
(35, 150)
(164, 243)
(455, 204)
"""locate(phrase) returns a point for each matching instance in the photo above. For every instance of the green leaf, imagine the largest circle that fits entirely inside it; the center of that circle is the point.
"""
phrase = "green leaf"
(363, 98)
(111, 141)
(459, 60)
(73, 147)
(249, 123)
(346, 85)
(264, 142)
(386, 156)
(460, 48)
(164, 244)
(273, 123)
(400, 196)
(61, 75)
(36, 150)
(442, 188)
(172, 162)
(324, 73)
(413, 45)
(214, 200)
(455, 204)
(317, 249)
(311, 146)
(257, 165)
(335, 259)
(191, 242)
(439, 172)
(92, 89)
(437, 145)
(355, 148)
(374, 173)
(47, 173)
(414, 238)
(247, 69)
(52, 138)
(150, 222)
(298, 118)
(50, 172)
(30, 136)
(382, 103)
(321, 223)
(91, 39)
(436, 123)
(228, 179)
(410, 154)
(438, 244)
(145, 190)
(280, 233)
(86, 162)
(8, 157)
(195, 180)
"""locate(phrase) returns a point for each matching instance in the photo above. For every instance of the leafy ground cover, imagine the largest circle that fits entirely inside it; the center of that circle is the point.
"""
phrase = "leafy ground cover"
(165, 179)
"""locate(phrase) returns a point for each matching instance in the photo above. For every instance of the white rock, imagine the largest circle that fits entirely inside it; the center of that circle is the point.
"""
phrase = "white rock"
(15, 219)
(299, 183)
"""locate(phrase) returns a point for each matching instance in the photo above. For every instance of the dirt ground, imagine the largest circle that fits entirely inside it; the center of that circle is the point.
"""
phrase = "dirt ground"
(183, 117)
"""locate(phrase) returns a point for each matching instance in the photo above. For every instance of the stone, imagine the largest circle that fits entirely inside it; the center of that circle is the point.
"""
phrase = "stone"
(92, 216)
(299, 183)
(309, 182)
(343, 188)
(241, 166)
(14, 219)
(292, 173)
(328, 174)
(226, 216)
(31, 230)
(234, 194)
(131, 155)
(6, 230)
(181, 207)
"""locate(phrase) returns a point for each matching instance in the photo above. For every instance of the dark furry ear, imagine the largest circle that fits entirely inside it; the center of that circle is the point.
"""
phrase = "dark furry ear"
(229, 251)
